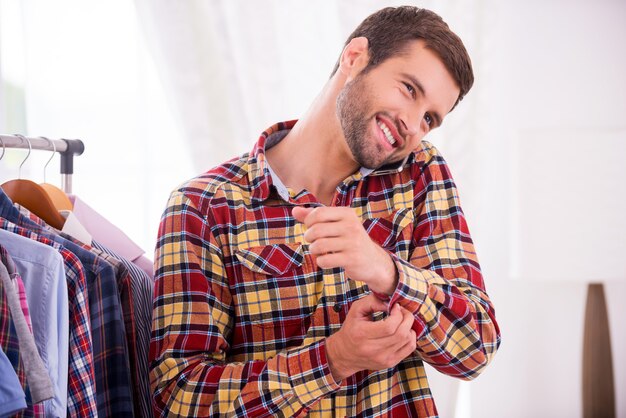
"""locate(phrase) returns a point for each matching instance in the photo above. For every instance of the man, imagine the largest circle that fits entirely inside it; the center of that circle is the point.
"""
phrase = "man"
(314, 275)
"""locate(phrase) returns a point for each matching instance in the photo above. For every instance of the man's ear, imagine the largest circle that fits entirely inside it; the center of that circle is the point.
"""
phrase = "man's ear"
(355, 57)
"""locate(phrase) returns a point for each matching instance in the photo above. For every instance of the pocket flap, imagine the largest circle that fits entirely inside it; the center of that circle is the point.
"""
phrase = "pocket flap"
(385, 230)
(273, 260)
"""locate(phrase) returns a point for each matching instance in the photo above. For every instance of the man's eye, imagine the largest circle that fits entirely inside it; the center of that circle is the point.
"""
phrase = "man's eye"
(409, 88)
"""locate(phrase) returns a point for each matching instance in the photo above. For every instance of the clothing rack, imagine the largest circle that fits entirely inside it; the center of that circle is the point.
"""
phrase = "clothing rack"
(68, 148)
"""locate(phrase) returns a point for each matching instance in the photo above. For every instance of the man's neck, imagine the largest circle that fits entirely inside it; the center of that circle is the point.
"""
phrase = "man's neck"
(314, 154)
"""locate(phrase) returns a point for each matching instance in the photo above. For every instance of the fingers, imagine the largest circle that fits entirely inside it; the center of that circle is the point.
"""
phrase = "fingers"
(322, 214)
(321, 222)
(394, 321)
(408, 348)
(406, 325)
(323, 230)
(300, 213)
(407, 334)
(365, 344)
(328, 233)
(367, 305)
(401, 344)
(394, 327)
(386, 328)
(326, 245)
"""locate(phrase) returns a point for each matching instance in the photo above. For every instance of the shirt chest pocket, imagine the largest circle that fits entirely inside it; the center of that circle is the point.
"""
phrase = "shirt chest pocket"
(279, 286)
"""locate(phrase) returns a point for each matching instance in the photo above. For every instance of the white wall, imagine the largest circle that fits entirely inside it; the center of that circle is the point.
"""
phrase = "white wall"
(558, 69)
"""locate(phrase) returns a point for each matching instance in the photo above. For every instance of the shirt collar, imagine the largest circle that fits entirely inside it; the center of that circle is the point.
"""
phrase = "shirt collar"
(259, 174)
(262, 177)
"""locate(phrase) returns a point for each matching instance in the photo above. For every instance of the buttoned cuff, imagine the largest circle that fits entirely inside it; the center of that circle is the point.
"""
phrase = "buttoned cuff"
(412, 292)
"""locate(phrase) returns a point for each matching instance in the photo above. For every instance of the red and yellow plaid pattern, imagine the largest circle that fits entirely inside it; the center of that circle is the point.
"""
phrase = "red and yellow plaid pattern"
(241, 311)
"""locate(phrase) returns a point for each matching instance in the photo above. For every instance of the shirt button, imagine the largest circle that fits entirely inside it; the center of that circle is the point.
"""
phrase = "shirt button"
(337, 307)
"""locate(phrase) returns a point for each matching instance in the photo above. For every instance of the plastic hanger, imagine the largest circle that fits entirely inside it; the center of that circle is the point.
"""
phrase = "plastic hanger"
(57, 196)
(32, 196)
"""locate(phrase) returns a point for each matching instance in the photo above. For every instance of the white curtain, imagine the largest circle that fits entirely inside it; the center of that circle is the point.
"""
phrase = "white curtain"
(232, 68)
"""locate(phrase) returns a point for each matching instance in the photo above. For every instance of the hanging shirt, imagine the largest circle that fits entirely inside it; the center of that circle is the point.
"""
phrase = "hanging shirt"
(41, 269)
(128, 314)
(142, 287)
(9, 342)
(37, 408)
(109, 235)
(12, 398)
(113, 391)
(242, 311)
(37, 373)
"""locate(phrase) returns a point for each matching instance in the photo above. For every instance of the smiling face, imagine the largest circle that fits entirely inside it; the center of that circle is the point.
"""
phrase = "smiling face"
(386, 110)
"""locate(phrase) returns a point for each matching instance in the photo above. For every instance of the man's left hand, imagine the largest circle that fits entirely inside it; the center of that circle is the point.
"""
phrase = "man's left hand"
(337, 238)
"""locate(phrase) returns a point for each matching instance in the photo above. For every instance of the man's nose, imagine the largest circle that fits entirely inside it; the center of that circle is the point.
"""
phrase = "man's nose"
(409, 124)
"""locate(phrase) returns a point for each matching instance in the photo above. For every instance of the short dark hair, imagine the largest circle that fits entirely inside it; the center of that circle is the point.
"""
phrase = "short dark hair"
(390, 29)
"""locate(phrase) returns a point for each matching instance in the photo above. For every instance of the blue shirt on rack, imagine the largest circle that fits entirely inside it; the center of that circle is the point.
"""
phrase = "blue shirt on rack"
(43, 274)
(12, 398)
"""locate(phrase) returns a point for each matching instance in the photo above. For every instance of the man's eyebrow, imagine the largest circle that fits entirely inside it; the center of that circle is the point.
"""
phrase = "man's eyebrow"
(420, 87)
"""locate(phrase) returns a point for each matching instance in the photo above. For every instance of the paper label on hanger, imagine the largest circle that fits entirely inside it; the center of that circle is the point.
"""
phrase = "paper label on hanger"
(73, 227)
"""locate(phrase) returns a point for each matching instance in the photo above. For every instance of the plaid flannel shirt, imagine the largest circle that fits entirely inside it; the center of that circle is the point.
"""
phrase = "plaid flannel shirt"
(81, 392)
(241, 310)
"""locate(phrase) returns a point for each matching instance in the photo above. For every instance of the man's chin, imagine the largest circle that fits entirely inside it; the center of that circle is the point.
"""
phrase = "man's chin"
(371, 165)
(374, 162)
(390, 163)
(375, 165)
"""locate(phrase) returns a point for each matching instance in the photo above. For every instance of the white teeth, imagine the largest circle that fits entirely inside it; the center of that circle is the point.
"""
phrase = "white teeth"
(387, 132)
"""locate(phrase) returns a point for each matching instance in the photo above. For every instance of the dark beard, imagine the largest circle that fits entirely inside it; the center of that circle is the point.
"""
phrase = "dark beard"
(352, 111)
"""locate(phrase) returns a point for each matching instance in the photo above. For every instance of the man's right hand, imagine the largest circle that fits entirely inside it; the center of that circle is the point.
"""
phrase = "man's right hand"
(364, 344)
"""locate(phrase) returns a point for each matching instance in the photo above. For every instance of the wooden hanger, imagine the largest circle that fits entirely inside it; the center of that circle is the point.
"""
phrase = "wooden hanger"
(33, 197)
(57, 196)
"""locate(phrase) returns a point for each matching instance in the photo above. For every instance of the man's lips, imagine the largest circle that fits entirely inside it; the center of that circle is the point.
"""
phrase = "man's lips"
(388, 123)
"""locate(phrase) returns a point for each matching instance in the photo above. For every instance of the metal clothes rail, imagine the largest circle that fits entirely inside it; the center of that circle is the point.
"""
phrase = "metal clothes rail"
(68, 148)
